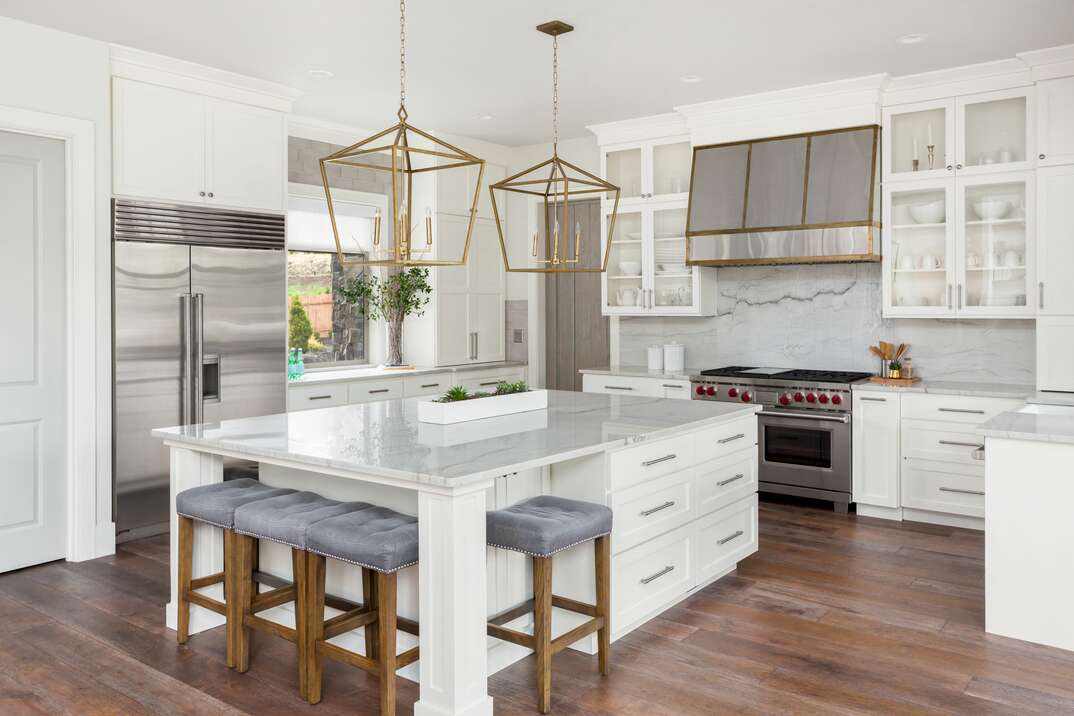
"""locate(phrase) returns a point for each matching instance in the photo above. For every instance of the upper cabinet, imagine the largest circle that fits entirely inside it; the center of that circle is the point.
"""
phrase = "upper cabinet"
(190, 148)
(1055, 121)
(971, 134)
(658, 169)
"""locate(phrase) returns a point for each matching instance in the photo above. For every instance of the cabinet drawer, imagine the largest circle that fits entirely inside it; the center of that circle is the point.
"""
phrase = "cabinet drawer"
(716, 442)
(950, 488)
(725, 537)
(428, 384)
(955, 408)
(652, 508)
(623, 385)
(306, 397)
(644, 461)
(486, 382)
(647, 577)
(368, 391)
(725, 481)
(676, 389)
(929, 440)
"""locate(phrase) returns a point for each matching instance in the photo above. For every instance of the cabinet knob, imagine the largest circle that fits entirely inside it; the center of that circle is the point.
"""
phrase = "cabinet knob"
(1040, 156)
(201, 193)
(210, 195)
(949, 167)
(958, 166)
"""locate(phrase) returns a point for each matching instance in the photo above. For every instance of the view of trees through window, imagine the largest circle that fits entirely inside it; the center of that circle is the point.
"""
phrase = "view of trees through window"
(320, 322)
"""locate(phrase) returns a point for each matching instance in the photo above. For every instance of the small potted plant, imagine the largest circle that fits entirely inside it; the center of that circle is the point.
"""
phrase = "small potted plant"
(895, 369)
(400, 294)
(458, 404)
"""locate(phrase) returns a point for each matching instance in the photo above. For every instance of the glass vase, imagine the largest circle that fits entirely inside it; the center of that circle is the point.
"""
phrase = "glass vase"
(395, 342)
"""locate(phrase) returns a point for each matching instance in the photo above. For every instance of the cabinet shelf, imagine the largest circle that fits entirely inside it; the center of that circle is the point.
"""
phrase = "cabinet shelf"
(916, 270)
(624, 277)
(673, 275)
(996, 222)
(996, 268)
(900, 227)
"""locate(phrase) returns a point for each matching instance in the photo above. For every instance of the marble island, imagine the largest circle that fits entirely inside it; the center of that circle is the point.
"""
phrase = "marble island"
(694, 461)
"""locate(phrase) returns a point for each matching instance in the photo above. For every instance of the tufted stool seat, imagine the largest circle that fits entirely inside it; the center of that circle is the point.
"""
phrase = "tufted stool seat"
(541, 527)
(214, 505)
(382, 542)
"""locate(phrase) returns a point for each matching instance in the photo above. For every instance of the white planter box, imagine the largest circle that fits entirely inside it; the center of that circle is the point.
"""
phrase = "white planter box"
(429, 411)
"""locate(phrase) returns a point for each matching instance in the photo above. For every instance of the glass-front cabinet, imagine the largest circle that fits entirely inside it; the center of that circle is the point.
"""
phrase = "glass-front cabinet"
(959, 247)
(653, 170)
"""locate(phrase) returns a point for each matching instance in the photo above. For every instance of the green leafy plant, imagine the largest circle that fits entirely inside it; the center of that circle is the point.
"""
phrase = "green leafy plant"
(505, 388)
(299, 328)
(400, 294)
(454, 394)
(895, 365)
(457, 393)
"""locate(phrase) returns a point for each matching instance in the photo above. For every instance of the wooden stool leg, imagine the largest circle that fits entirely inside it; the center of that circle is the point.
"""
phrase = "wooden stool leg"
(369, 600)
(542, 630)
(299, 577)
(242, 587)
(603, 559)
(386, 624)
(314, 624)
(186, 565)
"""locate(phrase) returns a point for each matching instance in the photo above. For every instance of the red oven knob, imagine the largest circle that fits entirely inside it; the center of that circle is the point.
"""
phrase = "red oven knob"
(732, 392)
(823, 399)
(784, 399)
(700, 390)
(810, 398)
(710, 390)
(746, 396)
(837, 400)
(798, 397)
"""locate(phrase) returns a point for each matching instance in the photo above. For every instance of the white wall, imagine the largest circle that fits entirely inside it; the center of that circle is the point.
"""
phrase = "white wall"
(55, 72)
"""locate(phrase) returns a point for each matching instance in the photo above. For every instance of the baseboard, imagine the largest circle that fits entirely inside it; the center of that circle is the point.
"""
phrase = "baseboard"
(941, 518)
(883, 513)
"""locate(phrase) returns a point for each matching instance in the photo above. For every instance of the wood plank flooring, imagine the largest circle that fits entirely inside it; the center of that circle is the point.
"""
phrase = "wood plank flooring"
(834, 615)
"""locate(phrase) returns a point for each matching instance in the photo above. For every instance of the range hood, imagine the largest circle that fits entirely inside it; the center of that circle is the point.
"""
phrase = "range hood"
(796, 199)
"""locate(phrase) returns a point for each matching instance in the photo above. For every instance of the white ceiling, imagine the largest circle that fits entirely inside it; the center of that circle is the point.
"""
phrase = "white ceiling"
(468, 58)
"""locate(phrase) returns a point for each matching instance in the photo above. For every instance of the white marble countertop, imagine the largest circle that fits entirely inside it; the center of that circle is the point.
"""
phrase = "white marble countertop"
(314, 377)
(640, 371)
(386, 439)
(955, 387)
(1043, 423)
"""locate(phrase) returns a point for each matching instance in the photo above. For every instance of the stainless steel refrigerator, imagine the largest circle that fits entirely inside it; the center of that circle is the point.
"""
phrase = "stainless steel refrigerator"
(200, 335)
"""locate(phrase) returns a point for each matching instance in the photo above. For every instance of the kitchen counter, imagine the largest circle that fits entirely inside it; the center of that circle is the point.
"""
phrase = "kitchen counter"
(318, 377)
(640, 371)
(954, 387)
(1043, 423)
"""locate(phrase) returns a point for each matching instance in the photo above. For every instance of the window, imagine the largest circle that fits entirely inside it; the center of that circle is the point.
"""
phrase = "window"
(329, 330)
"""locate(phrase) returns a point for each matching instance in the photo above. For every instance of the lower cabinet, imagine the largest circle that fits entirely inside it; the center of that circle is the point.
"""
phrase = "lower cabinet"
(724, 538)
(876, 449)
(654, 387)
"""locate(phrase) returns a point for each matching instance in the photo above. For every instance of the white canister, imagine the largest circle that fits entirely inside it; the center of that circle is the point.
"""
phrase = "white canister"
(674, 357)
(656, 358)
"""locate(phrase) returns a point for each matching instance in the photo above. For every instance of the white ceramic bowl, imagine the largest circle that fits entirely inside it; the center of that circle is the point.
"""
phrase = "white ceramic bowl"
(930, 212)
(630, 268)
(989, 209)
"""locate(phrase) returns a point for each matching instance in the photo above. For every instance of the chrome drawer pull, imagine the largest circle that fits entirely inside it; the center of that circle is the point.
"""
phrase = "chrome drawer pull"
(729, 480)
(491, 382)
(319, 397)
(875, 400)
(978, 454)
(618, 387)
(733, 437)
(430, 385)
(670, 385)
(657, 575)
(379, 390)
(728, 538)
(961, 410)
(653, 510)
(650, 463)
(962, 492)
(979, 446)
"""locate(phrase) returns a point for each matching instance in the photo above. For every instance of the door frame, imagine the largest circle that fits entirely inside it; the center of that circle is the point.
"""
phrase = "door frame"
(91, 532)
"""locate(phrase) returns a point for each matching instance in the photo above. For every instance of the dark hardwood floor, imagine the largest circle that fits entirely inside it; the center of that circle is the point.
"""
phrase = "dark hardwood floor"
(834, 614)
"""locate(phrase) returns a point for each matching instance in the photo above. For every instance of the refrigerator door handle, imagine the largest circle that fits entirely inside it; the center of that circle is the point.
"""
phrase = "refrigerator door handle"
(198, 357)
(186, 359)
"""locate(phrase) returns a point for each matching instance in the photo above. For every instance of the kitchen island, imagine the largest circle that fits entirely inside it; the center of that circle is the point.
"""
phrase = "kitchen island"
(681, 477)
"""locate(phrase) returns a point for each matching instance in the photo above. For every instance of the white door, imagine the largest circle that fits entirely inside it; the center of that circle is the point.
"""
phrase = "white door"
(33, 438)
(487, 325)
(1055, 241)
(876, 449)
(245, 156)
(1055, 121)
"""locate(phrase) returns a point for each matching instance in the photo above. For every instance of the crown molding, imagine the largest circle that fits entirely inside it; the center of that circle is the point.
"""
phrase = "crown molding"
(639, 129)
(150, 67)
(321, 130)
(954, 81)
(1049, 63)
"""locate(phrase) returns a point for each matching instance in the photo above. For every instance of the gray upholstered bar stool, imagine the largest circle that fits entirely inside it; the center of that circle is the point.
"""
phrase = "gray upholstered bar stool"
(382, 542)
(540, 527)
(215, 505)
(285, 519)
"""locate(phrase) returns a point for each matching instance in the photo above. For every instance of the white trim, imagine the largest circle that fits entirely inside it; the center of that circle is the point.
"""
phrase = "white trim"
(320, 130)
(89, 483)
(200, 79)
(641, 129)
(316, 191)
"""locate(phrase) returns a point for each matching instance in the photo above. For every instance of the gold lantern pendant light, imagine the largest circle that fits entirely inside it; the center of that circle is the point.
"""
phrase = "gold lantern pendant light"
(409, 246)
(557, 181)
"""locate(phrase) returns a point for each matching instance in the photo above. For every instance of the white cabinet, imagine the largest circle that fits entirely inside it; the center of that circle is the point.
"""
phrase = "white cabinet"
(654, 387)
(961, 246)
(455, 190)
(657, 168)
(1055, 121)
(876, 449)
(1055, 242)
(179, 146)
(1055, 347)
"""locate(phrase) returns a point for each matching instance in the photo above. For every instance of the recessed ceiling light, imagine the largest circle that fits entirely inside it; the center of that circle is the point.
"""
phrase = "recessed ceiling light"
(321, 74)
(914, 38)
(690, 79)
(485, 117)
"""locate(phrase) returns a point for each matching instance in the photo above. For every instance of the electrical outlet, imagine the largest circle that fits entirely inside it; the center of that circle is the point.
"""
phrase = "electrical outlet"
(518, 335)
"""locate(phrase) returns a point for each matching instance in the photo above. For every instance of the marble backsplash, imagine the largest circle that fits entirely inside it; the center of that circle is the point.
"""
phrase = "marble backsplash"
(825, 317)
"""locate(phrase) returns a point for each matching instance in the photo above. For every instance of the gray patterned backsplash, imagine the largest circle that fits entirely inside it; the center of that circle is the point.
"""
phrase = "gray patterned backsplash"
(825, 317)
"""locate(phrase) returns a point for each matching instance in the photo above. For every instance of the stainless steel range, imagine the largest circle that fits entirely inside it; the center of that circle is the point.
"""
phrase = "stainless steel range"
(803, 431)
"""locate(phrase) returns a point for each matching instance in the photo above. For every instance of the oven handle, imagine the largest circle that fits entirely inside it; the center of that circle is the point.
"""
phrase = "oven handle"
(805, 416)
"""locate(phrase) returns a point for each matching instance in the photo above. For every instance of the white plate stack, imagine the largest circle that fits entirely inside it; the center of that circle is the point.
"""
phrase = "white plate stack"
(670, 257)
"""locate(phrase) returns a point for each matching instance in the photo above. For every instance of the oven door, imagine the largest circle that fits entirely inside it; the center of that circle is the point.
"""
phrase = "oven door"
(804, 449)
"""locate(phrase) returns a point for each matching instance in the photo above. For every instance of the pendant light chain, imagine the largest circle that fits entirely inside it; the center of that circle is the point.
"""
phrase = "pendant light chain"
(555, 94)
(402, 58)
